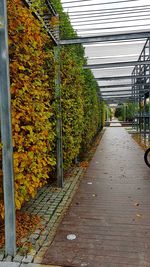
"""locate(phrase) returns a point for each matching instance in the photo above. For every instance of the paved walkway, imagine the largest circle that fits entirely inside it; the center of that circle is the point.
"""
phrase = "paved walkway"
(110, 213)
(115, 123)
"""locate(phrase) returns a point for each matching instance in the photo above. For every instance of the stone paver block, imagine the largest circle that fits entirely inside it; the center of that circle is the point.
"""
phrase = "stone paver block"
(42, 252)
(34, 237)
(32, 252)
(9, 264)
(28, 259)
(36, 247)
(38, 265)
(8, 258)
(47, 244)
(43, 223)
(37, 259)
(18, 258)
(2, 254)
(50, 205)
(45, 232)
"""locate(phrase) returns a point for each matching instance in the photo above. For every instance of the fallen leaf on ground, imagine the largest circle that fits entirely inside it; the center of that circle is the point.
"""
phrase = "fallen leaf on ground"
(25, 225)
(138, 215)
(84, 164)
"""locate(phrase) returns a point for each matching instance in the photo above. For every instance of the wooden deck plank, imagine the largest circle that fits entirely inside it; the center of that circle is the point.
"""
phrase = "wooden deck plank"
(110, 213)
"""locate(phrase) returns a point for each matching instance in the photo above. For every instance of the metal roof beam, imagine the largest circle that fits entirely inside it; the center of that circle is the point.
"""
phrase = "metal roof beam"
(118, 98)
(76, 18)
(121, 91)
(111, 91)
(115, 9)
(120, 101)
(120, 95)
(113, 20)
(124, 85)
(116, 64)
(106, 38)
(92, 4)
(109, 78)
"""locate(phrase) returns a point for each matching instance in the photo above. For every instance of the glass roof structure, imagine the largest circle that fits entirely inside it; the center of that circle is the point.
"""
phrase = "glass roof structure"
(105, 17)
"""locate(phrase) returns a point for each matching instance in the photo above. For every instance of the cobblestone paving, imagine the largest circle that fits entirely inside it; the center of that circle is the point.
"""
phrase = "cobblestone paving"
(50, 204)
(14, 264)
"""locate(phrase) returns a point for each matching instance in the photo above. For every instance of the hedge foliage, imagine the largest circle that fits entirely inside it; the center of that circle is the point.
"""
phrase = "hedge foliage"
(32, 92)
(33, 104)
(127, 111)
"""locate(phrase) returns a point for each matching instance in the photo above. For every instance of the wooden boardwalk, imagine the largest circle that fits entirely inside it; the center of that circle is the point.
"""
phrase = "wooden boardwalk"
(110, 213)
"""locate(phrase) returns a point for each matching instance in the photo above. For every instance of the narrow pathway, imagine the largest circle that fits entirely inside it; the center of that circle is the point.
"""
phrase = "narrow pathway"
(110, 213)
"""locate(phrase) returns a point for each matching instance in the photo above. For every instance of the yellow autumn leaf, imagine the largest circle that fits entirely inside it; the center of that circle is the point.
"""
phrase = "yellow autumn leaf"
(21, 68)
(18, 204)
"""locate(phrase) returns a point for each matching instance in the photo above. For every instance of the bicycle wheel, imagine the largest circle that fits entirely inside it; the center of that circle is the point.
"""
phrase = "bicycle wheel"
(147, 157)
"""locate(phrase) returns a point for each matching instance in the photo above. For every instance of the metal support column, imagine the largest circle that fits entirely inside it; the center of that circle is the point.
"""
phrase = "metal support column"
(144, 117)
(124, 112)
(6, 136)
(144, 108)
(59, 115)
(149, 93)
(149, 116)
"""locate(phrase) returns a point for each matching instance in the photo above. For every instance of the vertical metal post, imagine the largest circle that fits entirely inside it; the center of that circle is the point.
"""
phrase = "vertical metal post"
(124, 112)
(143, 113)
(58, 114)
(149, 116)
(144, 117)
(107, 114)
(6, 136)
(133, 95)
(149, 92)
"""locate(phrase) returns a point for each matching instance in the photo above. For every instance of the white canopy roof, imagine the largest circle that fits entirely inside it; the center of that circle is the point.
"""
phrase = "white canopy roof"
(101, 17)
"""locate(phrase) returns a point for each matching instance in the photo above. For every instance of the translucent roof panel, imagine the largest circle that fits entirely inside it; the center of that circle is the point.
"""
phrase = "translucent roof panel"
(112, 72)
(105, 17)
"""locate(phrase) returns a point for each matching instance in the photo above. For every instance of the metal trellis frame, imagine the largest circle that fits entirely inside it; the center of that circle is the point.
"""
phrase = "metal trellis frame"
(120, 85)
(104, 3)
(59, 113)
(108, 12)
(116, 64)
(141, 74)
(6, 136)
(143, 118)
(45, 18)
(6, 130)
(105, 16)
(106, 38)
(54, 34)
(122, 77)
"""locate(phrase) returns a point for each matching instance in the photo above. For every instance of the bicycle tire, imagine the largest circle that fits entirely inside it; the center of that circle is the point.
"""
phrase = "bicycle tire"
(146, 157)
